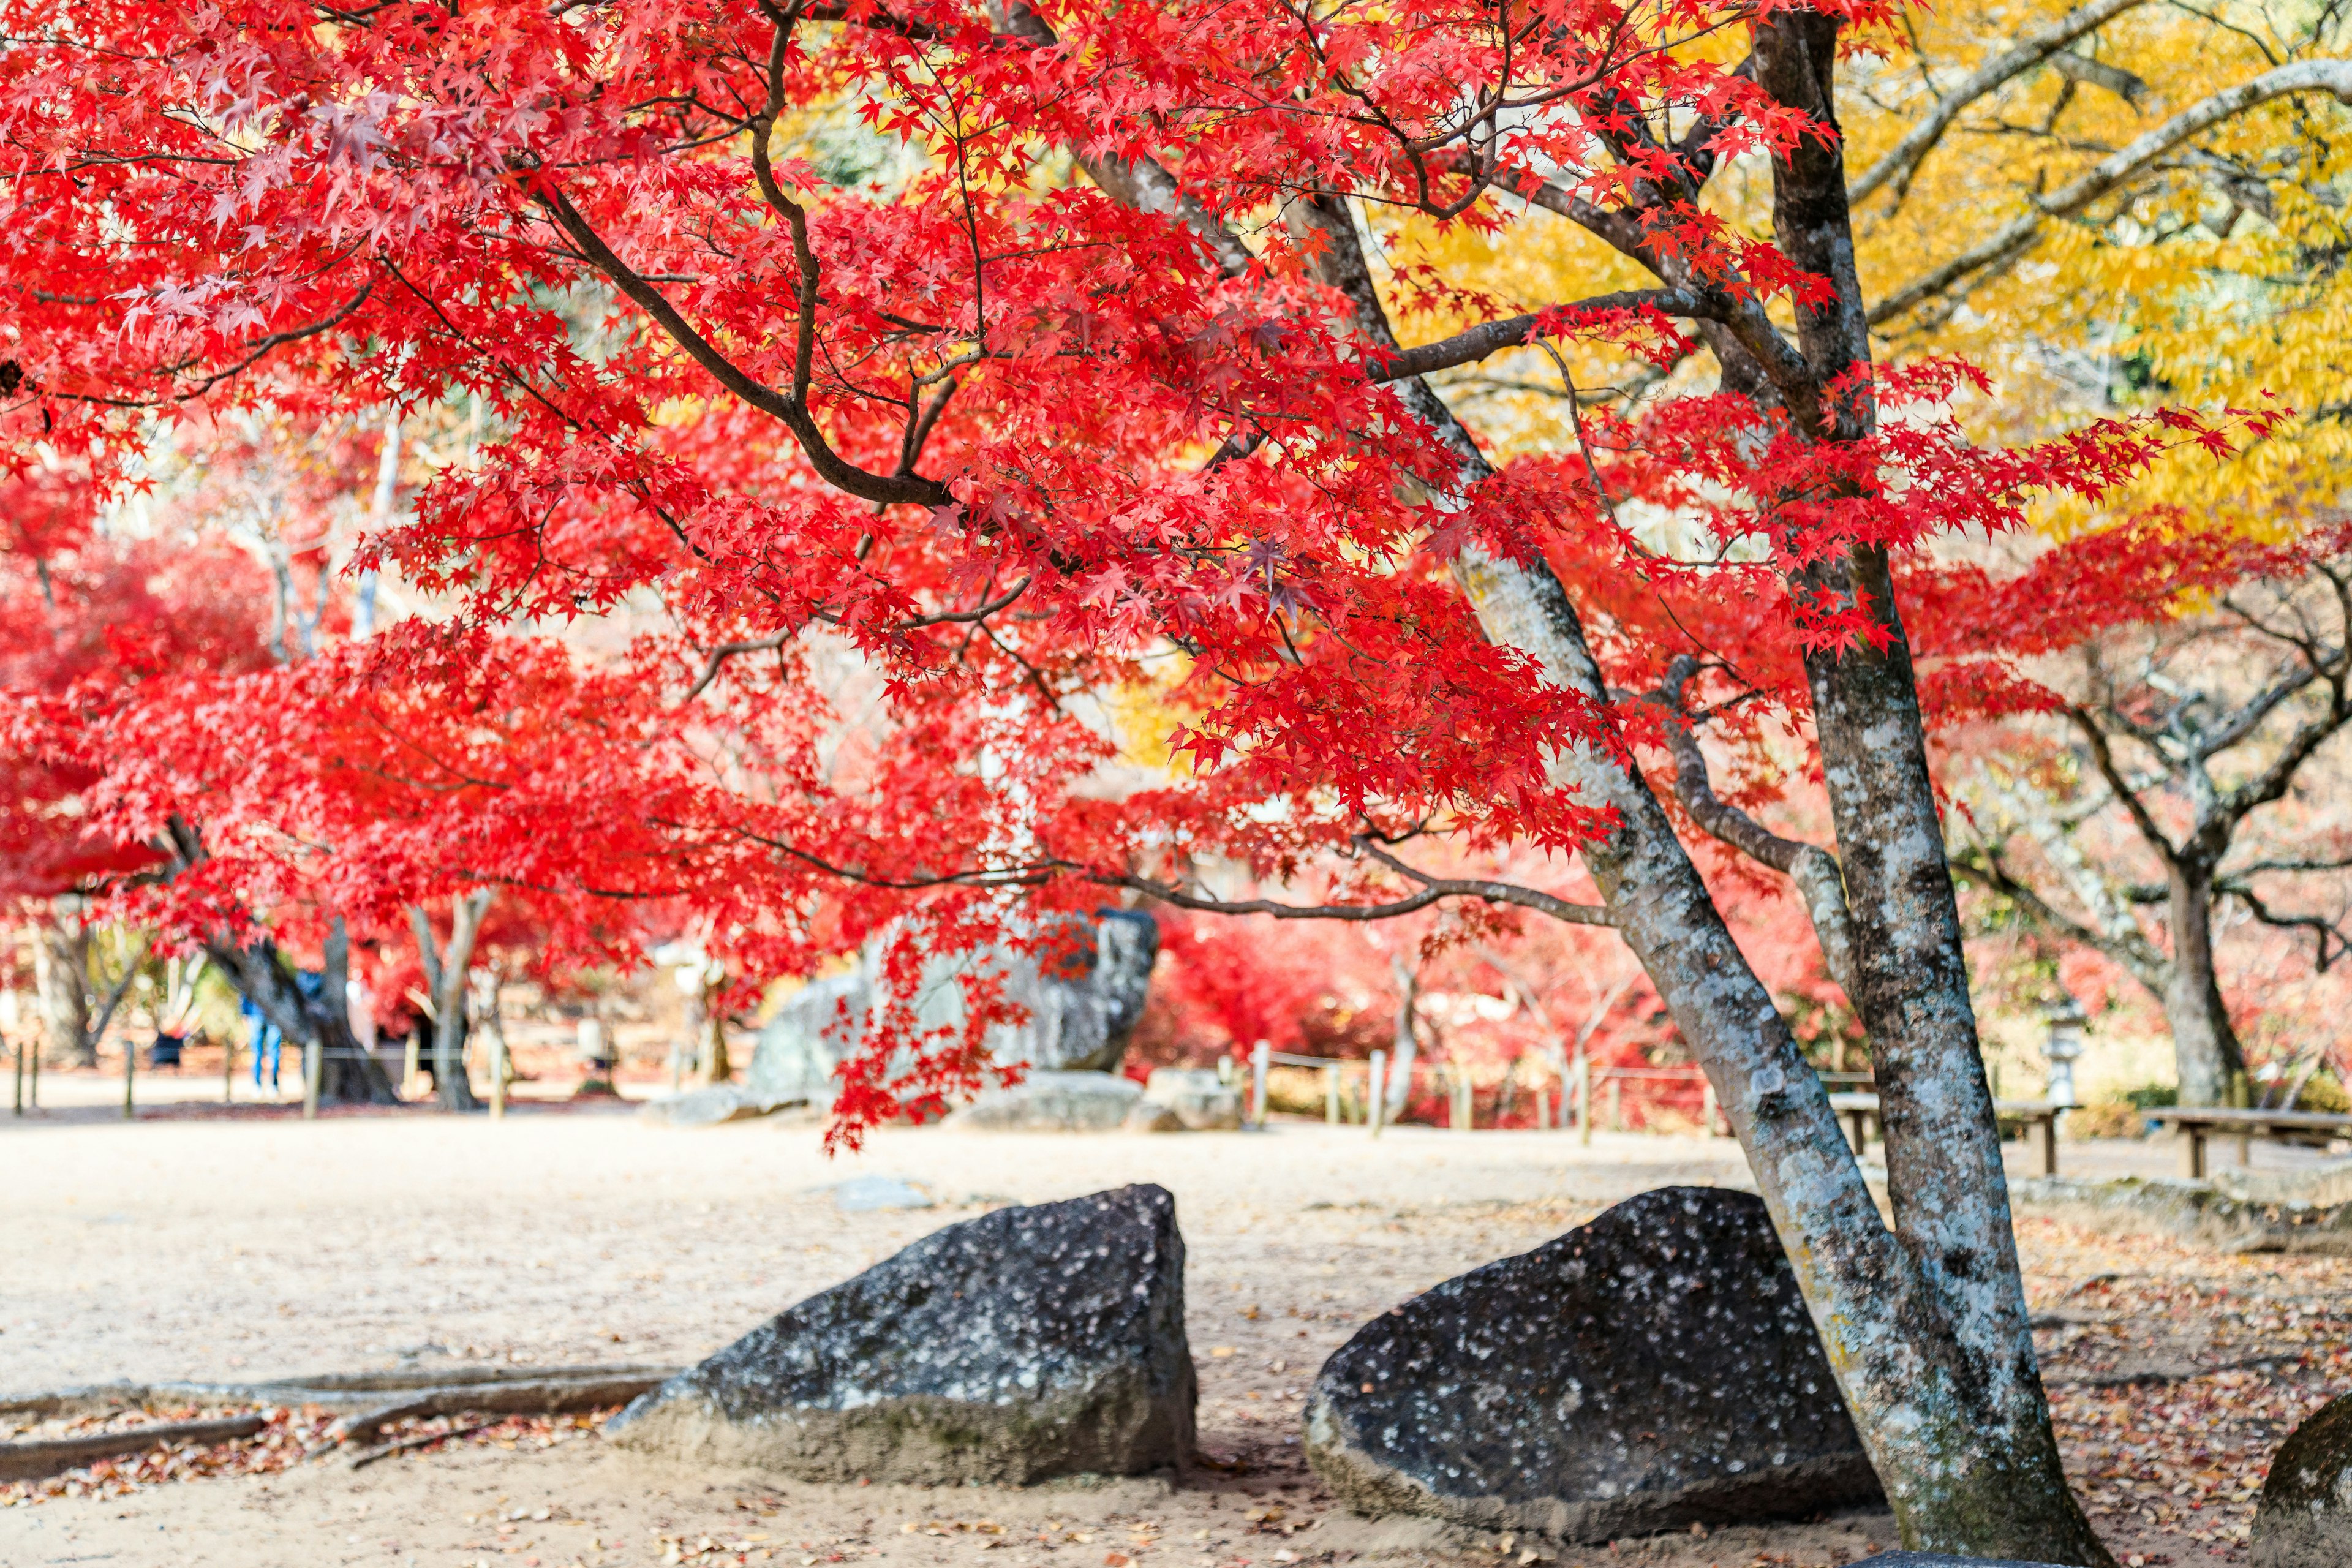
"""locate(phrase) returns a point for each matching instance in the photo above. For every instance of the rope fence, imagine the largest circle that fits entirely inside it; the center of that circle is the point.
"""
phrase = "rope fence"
(1586, 1096)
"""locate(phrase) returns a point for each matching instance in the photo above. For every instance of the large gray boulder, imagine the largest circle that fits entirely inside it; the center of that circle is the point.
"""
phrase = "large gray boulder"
(1085, 994)
(1028, 1343)
(1651, 1370)
(2304, 1520)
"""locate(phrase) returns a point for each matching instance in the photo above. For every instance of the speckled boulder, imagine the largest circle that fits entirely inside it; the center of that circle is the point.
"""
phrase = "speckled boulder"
(2304, 1520)
(1028, 1343)
(1651, 1370)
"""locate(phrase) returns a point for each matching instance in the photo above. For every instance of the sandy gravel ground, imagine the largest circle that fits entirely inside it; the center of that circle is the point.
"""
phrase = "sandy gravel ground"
(261, 1246)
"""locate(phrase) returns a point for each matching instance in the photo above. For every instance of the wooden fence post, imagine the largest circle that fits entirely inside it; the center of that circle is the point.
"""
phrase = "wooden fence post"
(129, 1071)
(1258, 1053)
(1616, 1104)
(312, 1063)
(20, 1075)
(1584, 1099)
(1377, 1093)
(1706, 1113)
(1331, 1095)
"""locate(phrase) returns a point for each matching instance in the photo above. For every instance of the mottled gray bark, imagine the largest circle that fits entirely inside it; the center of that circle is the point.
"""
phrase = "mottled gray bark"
(1925, 1325)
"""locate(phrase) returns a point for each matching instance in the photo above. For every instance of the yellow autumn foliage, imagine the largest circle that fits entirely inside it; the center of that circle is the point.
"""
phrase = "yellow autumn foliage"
(2209, 275)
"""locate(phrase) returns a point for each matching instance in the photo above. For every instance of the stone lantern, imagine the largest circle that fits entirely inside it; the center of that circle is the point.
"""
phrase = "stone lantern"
(2063, 1047)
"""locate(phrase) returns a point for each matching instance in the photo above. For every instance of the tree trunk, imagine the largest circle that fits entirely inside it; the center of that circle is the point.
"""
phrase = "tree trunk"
(62, 977)
(1944, 1447)
(716, 1066)
(2204, 1046)
(1931, 1350)
(1406, 1046)
(447, 974)
(347, 1074)
(1989, 1479)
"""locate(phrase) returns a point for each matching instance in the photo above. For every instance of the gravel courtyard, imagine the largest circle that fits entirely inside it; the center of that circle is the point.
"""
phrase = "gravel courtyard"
(203, 1247)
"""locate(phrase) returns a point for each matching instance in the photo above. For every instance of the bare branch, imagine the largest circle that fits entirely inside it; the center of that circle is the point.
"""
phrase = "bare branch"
(790, 409)
(2016, 238)
(1493, 337)
(1819, 880)
(1433, 890)
(2102, 756)
(2030, 50)
(726, 650)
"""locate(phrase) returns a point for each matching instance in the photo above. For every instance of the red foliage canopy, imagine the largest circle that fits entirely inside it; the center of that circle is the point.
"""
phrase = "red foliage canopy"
(1013, 437)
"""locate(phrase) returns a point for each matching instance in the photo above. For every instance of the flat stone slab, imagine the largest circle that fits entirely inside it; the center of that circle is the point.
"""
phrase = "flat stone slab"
(1937, 1560)
(1651, 1370)
(1026, 1345)
(2304, 1518)
(1048, 1101)
(865, 1195)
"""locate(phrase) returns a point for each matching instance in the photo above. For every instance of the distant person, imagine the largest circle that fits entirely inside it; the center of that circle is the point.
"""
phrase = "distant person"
(267, 1041)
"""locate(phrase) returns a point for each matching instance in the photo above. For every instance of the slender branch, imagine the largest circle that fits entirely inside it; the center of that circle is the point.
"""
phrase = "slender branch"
(726, 650)
(1433, 890)
(790, 409)
(1492, 337)
(1820, 879)
(2014, 238)
(980, 612)
(2030, 50)
(2320, 926)
(2102, 756)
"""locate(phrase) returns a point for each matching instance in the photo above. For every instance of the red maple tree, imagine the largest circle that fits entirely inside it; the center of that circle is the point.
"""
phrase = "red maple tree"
(1105, 378)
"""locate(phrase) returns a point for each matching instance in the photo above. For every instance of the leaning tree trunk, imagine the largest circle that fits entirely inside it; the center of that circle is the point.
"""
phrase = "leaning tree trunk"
(1968, 1465)
(1931, 1348)
(2204, 1046)
(347, 1074)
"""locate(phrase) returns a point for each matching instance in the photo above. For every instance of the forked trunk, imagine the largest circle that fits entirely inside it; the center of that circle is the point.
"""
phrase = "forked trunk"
(446, 973)
(1932, 1355)
(2204, 1044)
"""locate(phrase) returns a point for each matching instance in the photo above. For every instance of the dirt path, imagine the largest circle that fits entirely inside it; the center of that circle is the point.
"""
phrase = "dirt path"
(248, 1249)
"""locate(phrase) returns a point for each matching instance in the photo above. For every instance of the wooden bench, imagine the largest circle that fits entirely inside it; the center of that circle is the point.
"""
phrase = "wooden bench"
(1861, 1110)
(2199, 1122)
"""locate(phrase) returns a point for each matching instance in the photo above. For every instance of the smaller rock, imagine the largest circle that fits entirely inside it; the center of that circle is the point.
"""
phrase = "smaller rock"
(865, 1195)
(2304, 1520)
(1053, 1102)
(1202, 1103)
(1024, 1344)
(703, 1107)
(1150, 1116)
